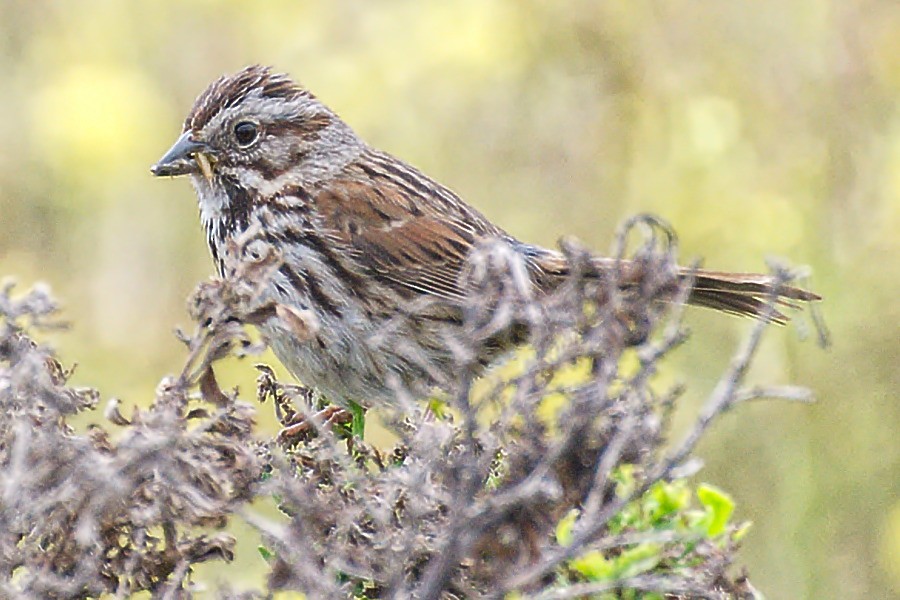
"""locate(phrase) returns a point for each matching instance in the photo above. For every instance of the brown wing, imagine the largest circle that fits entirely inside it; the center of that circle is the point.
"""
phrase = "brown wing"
(410, 233)
(413, 234)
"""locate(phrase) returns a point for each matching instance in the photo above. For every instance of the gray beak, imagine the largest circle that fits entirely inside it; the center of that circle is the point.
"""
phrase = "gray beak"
(180, 159)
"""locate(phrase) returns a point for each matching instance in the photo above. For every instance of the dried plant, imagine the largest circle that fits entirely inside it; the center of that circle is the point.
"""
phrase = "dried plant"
(553, 477)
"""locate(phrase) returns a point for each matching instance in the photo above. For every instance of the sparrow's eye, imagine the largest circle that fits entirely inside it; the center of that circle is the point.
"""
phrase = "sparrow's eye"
(246, 133)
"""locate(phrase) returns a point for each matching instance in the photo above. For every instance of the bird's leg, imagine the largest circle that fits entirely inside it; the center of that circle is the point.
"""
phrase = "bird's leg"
(332, 415)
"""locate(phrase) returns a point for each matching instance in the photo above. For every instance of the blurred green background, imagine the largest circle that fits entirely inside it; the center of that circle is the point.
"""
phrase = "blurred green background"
(755, 127)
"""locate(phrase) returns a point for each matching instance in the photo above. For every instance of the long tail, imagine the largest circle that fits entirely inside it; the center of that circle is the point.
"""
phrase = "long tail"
(743, 294)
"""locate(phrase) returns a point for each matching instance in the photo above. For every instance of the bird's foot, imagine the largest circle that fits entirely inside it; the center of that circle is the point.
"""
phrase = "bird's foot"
(331, 415)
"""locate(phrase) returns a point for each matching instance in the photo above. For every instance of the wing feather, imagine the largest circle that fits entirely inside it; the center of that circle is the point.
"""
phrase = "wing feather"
(398, 236)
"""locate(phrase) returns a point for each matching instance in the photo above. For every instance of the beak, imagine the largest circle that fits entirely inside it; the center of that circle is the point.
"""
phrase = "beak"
(185, 156)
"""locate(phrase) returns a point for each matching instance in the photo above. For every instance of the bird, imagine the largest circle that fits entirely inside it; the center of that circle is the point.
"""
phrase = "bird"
(362, 236)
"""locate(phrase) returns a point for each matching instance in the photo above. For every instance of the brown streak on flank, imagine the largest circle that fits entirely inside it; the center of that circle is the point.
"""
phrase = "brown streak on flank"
(310, 285)
(355, 283)
(297, 282)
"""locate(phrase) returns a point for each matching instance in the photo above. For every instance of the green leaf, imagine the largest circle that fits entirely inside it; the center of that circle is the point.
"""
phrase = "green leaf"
(665, 499)
(719, 507)
(624, 477)
(738, 534)
(438, 407)
(358, 423)
(267, 554)
(593, 566)
(629, 517)
(637, 560)
(565, 526)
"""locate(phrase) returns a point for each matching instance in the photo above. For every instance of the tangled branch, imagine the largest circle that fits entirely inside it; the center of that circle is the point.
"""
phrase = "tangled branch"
(554, 476)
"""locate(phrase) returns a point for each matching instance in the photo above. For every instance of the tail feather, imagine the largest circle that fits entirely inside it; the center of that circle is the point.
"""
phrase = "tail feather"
(744, 294)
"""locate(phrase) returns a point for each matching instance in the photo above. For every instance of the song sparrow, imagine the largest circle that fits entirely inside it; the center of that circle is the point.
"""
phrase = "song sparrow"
(361, 235)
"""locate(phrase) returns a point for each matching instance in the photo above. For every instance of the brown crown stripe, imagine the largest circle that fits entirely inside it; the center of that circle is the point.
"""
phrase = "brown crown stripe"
(230, 91)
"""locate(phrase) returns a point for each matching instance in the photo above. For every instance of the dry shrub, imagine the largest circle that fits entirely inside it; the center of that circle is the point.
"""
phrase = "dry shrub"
(558, 481)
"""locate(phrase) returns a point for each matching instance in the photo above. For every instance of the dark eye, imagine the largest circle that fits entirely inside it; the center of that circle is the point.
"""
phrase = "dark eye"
(246, 133)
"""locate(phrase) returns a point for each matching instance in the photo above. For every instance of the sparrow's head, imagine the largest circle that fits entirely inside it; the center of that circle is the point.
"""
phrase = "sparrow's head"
(256, 131)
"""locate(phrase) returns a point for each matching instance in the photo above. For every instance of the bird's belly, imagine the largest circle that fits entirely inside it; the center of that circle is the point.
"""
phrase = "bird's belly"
(335, 361)
(351, 361)
(355, 350)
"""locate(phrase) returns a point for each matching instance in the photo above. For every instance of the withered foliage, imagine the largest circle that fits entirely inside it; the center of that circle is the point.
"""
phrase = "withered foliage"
(466, 502)
(116, 509)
